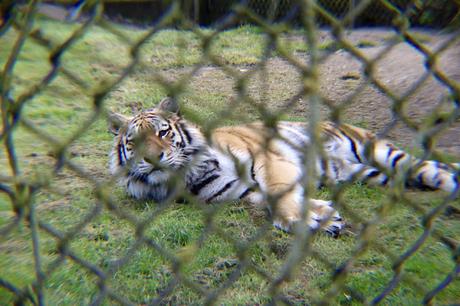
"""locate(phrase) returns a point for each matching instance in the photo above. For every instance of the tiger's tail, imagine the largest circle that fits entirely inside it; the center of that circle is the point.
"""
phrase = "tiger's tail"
(389, 160)
(356, 154)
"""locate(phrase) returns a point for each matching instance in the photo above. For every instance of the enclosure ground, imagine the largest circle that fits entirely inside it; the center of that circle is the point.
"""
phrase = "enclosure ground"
(211, 253)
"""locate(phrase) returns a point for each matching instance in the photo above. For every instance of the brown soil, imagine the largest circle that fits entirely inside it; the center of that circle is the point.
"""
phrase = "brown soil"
(398, 68)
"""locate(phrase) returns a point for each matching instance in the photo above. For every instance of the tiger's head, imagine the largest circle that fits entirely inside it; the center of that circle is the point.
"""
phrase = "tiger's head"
(149, 146)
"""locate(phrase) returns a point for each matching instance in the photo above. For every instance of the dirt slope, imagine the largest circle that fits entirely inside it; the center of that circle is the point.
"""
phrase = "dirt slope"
(398, 68)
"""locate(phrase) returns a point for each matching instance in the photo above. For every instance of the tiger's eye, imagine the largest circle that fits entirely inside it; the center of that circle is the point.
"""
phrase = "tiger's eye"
(163, 133)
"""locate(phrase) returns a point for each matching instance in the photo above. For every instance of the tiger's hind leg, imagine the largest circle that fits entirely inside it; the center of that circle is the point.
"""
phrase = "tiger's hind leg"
(280, 182)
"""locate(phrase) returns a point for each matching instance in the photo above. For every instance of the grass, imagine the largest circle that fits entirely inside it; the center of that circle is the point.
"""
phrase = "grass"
(60, 109)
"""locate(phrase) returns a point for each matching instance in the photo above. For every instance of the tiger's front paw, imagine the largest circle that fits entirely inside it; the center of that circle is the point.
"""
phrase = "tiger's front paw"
(324, 216)
(335, 226)
(321, 217)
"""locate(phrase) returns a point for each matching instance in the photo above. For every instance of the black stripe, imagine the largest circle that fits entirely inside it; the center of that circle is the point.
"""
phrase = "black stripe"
(215, 162)
(396, 159)
(253, 173)
(186, 133)
(120, 158)
(207, 173)
(245, 193)
(222, 190)
(373, 173)
(353, 145)
(195, 189)
(385, 181)
(179, 130)
(441, 166)
(438, 181)
(390, 151)
(124, 152)
(420, 178)
(207, 168)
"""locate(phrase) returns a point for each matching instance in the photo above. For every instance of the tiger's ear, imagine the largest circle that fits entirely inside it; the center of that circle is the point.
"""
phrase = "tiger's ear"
(116, 122)
(168, 104)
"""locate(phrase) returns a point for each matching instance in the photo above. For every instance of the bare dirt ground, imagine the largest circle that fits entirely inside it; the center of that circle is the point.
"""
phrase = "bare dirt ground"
(399, 68)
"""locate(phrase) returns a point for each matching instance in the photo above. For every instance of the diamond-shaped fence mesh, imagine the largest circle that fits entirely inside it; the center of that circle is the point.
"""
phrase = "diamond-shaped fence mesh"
(147, 231)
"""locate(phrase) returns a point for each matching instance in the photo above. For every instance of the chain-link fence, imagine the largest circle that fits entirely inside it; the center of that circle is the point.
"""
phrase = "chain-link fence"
(205, 12)
(69, 234)
(376, 13)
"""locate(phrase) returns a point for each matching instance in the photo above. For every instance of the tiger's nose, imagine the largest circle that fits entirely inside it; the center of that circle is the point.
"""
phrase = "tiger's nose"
(159, 158)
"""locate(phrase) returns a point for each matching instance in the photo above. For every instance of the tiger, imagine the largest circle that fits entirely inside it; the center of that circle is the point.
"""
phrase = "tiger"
(265, 166)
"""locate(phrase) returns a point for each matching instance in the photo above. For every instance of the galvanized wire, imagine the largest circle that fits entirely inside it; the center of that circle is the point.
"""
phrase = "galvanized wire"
(21, 191)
